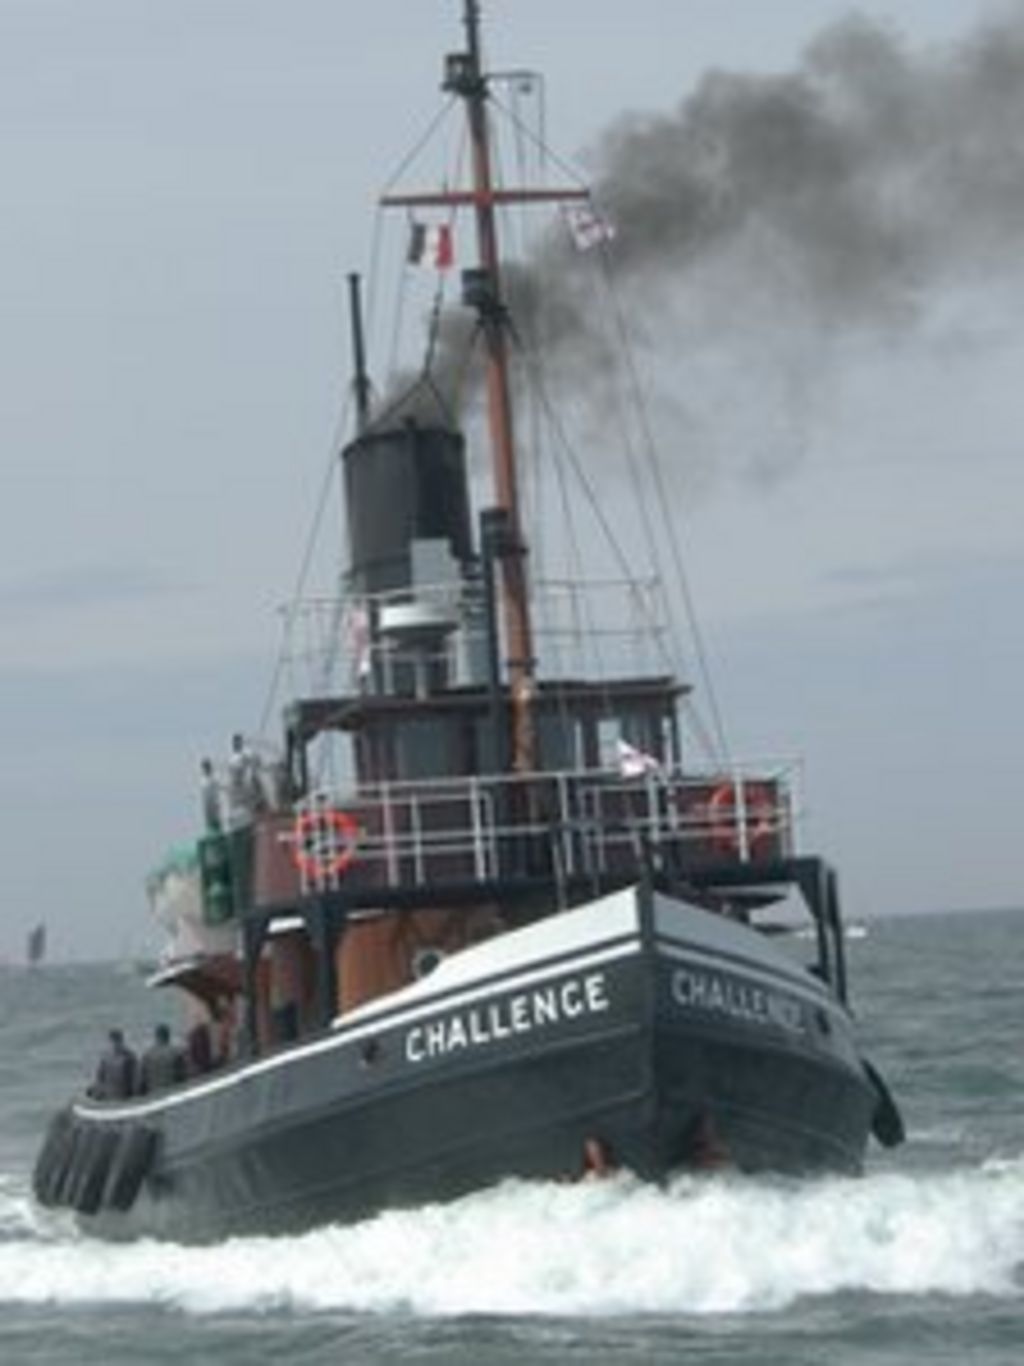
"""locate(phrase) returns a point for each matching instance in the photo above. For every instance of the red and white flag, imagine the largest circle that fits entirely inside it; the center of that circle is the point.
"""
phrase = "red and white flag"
(431, 245)
(586, 226)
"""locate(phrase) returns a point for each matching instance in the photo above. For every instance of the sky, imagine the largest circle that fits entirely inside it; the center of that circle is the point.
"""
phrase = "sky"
(185, 187)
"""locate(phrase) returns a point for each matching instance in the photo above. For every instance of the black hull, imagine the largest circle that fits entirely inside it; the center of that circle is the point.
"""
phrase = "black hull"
(672, 1053)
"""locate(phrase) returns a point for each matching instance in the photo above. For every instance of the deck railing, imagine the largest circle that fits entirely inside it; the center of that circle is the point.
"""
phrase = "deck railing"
(581, 628)
(565, 824)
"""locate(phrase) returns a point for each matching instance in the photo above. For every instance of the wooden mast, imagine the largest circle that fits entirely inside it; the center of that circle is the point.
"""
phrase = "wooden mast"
(464, 76)
(515, 596)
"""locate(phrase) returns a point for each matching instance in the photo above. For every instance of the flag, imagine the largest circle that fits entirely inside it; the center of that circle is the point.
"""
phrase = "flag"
(586, 226)
(431, 246)
(634, 763)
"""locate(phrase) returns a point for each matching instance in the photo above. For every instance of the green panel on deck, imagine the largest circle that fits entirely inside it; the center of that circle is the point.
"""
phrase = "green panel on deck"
(215, 878)
(225, 867)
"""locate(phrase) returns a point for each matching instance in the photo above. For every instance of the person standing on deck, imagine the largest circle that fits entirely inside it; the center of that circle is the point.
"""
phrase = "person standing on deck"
(163, 1064)
(209, 790)
(117, 1070)
(246, 797)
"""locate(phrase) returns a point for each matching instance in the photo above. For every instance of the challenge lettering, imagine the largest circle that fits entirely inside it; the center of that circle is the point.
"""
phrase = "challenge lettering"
(739, 1000)
(520, 1014)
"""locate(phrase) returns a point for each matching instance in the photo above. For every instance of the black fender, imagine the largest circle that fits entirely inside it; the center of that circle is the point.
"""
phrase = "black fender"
(54, 1158)
(131, 1164)
(886, 1121)
(92, 1163)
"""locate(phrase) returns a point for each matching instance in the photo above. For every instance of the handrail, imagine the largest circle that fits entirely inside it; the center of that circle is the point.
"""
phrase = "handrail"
(413, 832)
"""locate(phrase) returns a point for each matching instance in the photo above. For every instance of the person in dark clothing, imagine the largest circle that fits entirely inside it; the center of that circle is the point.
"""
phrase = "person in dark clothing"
(163, 1064)
(116, 1073)
(199, 1048)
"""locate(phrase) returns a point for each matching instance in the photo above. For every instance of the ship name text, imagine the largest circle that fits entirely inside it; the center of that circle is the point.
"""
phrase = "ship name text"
(712, 991)
(496, 1021)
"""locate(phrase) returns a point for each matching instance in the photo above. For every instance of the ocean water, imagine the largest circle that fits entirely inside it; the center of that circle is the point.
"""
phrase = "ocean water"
(920, 1260)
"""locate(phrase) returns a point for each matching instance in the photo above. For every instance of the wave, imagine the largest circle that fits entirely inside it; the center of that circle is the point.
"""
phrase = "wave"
(701, 1246)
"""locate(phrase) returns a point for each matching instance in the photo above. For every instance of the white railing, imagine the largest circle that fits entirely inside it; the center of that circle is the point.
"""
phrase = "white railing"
(586, 627)
(569, 823)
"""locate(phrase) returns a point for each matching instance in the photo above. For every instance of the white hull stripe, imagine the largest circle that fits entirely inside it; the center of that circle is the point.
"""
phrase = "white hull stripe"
(342, 1036)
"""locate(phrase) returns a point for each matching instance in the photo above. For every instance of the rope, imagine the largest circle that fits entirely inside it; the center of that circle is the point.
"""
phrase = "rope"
(719, 743)
(418, 146)
(306, 562)
(671, 530)
(538, 141)
(588, 490)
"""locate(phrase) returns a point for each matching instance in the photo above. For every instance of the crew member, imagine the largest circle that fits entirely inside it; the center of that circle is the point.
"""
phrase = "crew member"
(246, 797)
(163, 1064)
(199, 1047)
(209, 790)
(117, 1070)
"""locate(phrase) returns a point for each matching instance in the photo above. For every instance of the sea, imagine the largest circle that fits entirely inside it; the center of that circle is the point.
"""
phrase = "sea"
(920, 1260)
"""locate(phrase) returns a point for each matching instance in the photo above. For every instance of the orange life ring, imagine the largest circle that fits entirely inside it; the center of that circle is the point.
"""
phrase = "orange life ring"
(759, 810)
(330, 826)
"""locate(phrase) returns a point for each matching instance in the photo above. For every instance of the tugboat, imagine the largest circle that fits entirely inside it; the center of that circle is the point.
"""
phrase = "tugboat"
(519, 934)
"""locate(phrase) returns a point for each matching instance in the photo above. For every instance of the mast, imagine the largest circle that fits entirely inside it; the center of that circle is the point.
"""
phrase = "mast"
(482, 289)
(520, 662)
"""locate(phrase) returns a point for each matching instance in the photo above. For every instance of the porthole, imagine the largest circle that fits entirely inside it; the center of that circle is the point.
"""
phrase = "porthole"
(425, 960)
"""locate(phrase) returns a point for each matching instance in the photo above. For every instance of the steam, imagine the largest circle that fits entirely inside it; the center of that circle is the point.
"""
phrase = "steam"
(828, 202)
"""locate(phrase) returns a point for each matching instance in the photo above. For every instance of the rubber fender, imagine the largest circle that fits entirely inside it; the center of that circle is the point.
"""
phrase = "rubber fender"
(78, 1162)
(886, 1121)
(62, 1176)
(52, 1158)
(98, 1153)
(131, 1164)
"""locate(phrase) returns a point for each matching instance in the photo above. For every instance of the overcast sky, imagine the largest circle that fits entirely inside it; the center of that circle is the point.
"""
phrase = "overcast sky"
(184, 186)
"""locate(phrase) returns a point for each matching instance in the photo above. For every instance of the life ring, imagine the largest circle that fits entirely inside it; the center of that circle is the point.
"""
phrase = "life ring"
(319, 827)
(759, 812)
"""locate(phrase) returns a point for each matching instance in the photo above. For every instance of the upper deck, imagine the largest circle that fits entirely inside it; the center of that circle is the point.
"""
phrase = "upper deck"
(565, 827)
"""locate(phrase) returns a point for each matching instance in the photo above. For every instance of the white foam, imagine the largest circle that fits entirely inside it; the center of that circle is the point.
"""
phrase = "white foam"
(614, 1247)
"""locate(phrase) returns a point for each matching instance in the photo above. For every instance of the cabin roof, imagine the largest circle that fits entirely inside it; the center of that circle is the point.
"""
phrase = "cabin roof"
(306, 717)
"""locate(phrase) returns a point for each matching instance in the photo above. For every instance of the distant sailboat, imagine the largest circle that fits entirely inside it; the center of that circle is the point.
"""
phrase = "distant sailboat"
(35, 952)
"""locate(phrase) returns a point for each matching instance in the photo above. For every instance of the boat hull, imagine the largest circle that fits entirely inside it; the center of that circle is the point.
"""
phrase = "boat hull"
(671, 1038)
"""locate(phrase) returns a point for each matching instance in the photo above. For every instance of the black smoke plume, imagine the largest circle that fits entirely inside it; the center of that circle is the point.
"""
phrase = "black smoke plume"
(837, 198)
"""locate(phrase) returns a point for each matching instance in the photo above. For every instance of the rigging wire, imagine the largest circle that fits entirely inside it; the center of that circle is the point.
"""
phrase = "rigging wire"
(306, 562)
(588, 490)
(402, 167)
(672, 535)
(720, 742)
(418, 146)
(342, 424)
(538, 140)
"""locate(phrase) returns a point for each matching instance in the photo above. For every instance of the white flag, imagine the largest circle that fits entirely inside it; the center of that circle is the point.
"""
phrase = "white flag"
(586, 226)
(634, 763)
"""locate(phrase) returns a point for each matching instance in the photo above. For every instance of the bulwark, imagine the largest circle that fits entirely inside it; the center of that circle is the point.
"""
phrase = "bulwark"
(509, 1016)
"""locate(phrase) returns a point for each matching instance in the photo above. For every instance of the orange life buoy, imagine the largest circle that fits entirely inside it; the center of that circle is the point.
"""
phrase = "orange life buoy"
(325, 843)
(759, 813)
